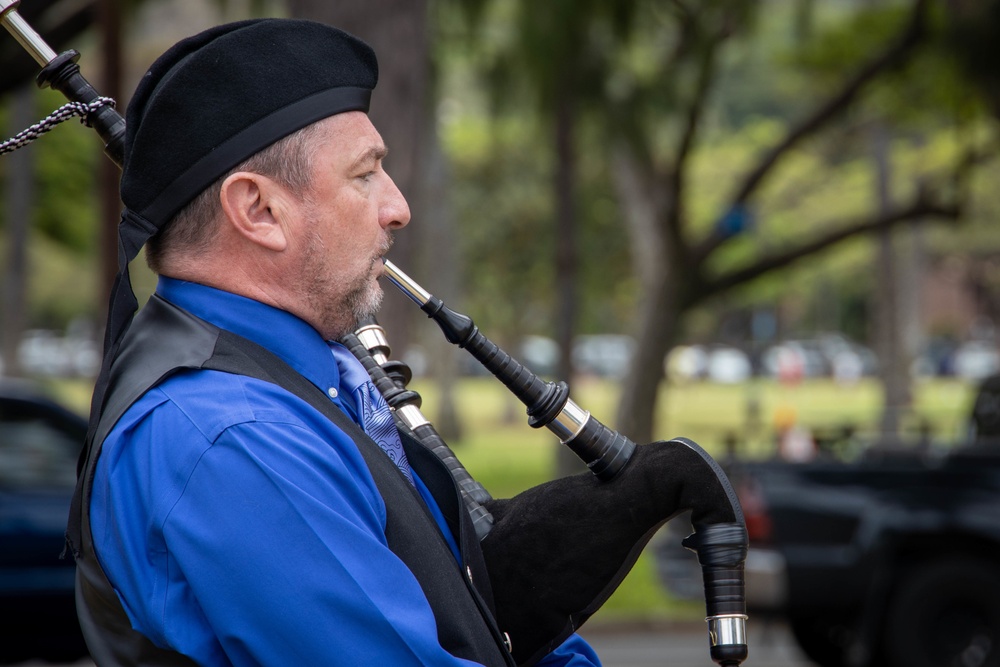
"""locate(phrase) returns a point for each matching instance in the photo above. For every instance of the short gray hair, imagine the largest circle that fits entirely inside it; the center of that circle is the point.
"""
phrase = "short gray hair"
(192, 231)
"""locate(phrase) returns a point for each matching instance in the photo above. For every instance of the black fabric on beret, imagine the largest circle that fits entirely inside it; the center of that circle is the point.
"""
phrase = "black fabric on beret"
(216, 98)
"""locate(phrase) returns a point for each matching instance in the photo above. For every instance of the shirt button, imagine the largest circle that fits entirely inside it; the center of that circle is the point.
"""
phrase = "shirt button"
(332, 391)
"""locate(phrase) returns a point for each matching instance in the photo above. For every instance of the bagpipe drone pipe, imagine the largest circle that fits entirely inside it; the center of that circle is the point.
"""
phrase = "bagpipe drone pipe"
(557, 551)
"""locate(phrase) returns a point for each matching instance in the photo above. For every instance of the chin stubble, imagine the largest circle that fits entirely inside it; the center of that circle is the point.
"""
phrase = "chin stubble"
(341, 306)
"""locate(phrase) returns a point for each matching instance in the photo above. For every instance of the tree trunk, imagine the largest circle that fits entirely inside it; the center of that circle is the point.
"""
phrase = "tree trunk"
(973, 26)
(658, 331)
(659, 304)
(19, 193)
(804, 21)
(893, 366)
(109, 173)
(440, 251)
(566, 257)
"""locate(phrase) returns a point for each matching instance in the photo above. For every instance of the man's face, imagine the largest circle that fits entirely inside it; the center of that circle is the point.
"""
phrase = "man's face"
(347, 217)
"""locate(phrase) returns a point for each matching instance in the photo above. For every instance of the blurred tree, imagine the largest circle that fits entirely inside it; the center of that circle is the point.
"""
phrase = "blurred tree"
(57, 22)
(974, 27)
(110, 18)
(655, 74)
(549, 59)
(18, 193)
(680, 269)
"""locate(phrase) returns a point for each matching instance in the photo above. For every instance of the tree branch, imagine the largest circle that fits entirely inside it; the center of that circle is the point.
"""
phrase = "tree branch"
(921, 207)
(909, 37)
(692, 118)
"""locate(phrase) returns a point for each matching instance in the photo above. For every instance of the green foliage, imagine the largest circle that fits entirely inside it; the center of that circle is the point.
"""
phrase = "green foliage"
(930, 85)
(61, 283)
(513, 219)
(772, 68)
(812, 190)
(525, 51)
(66, 205)
(502, 196)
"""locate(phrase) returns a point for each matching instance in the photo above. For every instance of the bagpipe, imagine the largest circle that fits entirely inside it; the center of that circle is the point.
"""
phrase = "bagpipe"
(557, 551)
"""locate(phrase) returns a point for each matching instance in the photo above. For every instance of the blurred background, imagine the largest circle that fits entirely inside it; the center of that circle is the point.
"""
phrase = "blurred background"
(769, 226)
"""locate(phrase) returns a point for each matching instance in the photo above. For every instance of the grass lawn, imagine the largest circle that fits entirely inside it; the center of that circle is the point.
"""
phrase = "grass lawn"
(507, 456)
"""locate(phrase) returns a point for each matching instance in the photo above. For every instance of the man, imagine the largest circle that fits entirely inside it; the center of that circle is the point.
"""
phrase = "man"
(231, 511)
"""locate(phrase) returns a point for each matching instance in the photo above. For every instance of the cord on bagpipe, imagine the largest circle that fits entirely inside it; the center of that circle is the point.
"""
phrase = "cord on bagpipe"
(557, 551)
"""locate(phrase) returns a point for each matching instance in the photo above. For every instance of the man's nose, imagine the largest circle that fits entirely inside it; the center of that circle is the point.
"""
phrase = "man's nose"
(395, 212)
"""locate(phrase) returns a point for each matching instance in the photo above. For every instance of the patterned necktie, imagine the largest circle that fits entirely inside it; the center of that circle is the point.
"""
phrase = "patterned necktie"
(374, 413)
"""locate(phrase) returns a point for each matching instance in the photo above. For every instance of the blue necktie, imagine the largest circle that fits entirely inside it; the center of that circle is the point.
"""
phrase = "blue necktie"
(374, 413)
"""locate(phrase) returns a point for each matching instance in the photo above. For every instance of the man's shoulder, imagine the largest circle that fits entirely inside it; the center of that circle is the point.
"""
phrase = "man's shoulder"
(179, 422)
(212, 401)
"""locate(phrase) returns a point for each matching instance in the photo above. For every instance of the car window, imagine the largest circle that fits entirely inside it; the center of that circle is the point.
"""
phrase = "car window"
(36, 451)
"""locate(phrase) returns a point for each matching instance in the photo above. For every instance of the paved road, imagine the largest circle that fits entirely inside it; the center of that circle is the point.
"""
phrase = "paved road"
(686, 645)
(672, 645)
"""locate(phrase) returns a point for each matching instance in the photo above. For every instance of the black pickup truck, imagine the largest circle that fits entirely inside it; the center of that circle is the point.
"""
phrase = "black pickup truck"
(891, 559)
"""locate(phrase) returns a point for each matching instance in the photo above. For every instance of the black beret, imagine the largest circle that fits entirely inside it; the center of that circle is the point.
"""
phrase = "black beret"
(216, 98)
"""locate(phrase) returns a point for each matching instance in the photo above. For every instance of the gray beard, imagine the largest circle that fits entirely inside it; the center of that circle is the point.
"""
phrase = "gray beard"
(354, 302)
(362, 302)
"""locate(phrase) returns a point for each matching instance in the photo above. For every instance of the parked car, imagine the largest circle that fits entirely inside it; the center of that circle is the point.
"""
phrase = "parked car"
(976, 360)
(830, 355)
(715, 363)
(40, 441)
(47, 353)
(604, 355)
(727, 365)
(892, 559)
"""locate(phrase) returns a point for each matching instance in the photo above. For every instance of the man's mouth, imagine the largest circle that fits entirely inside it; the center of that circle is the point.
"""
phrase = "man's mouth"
(379, 261)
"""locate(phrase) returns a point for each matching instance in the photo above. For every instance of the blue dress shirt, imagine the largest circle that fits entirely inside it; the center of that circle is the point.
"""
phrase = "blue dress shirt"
(241, 527)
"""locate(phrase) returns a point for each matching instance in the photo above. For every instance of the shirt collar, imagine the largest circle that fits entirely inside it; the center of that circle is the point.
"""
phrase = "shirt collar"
(291, 338)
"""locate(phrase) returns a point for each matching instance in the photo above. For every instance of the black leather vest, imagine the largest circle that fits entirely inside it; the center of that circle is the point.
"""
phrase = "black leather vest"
(164, 339)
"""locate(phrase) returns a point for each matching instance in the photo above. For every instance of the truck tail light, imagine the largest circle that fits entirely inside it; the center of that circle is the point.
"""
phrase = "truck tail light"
(759, 526)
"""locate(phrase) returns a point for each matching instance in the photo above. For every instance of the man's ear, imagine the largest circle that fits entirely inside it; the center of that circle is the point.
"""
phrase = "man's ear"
(256, 208)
